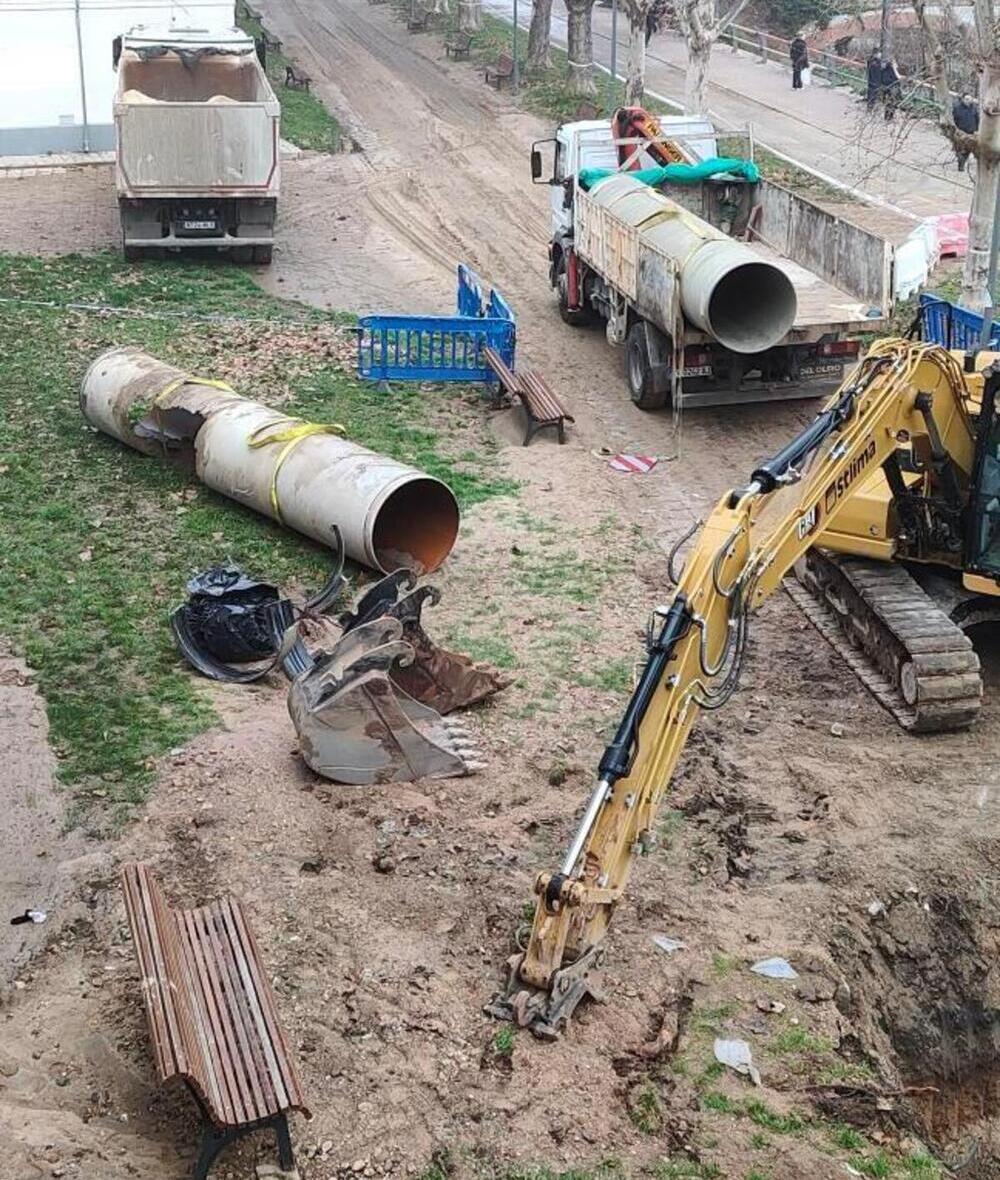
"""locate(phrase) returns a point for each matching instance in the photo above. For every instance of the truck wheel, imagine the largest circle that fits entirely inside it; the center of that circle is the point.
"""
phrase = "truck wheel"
(262, 255)
(575, 317)
(639, 371)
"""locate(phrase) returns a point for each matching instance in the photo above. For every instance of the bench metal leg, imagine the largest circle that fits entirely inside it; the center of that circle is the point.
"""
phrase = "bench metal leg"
(213, 1141)
(535, 424)
(285, 1158)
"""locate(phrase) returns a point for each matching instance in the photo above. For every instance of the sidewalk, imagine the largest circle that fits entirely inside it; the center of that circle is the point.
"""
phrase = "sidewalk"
(907, 164)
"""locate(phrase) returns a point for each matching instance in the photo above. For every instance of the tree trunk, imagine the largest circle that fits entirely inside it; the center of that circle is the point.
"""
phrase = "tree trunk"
(984, 195)
(696, 76)
(540, 36)
(635, 77)
(580, 48)
(470, 15)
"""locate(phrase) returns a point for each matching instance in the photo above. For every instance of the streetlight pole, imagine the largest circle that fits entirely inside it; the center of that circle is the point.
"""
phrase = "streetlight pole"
(515, 76)
(884, 41)
(614, 46)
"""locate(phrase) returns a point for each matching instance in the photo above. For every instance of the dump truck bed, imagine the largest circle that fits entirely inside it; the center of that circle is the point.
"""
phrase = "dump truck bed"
(208, 125)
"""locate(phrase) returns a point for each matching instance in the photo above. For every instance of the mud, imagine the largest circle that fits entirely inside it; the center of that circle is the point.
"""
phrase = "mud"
(385, 916)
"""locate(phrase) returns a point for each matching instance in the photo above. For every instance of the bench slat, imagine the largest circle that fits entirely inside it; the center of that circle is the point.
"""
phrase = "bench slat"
(227, 990)
(152, 976)
(262, 986)
(274, 1096)
(224, 1097)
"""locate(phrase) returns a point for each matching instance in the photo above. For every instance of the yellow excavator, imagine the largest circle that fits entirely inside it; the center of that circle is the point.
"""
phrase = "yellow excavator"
(894, 528)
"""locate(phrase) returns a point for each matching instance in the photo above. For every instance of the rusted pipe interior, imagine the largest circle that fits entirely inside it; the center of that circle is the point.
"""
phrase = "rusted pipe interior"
(416, 527)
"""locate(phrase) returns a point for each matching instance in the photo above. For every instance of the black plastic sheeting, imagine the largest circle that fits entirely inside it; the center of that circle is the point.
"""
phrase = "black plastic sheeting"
(231, 614)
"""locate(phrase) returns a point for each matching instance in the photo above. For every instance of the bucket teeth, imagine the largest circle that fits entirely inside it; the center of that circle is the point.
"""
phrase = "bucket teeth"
(356, 726)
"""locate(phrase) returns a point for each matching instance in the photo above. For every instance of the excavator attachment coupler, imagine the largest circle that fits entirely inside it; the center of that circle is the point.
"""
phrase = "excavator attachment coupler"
(442, 679)
(356, 726)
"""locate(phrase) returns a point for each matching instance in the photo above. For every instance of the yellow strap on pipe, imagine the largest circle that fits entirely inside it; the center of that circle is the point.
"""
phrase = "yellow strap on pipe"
(173, 386)
(291, 437)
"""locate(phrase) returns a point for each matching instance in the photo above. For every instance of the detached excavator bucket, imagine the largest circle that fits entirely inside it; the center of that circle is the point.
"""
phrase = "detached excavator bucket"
(355, 726)
(444, 680)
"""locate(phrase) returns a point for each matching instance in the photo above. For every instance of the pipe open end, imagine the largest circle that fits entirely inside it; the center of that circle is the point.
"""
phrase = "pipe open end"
(416, 527)
(752, 308)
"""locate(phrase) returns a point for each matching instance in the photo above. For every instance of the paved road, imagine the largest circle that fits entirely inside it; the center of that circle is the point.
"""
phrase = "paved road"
(905, 163)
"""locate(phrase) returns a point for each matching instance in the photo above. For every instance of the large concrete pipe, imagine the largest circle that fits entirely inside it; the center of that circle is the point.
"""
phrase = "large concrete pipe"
(726, 290)
(300, 474)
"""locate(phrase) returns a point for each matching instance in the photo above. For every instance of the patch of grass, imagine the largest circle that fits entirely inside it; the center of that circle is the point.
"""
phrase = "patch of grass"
(490, 649)
(98, 541)
(723, 965)
(921, 1166)
(847, 1138)
(720, 1103)
(756, 1174)
(877, 1165)
(614, 676)
(710, 1019)
(781, 1124)
(305, 119)
(685, 1169)
(646, 1109)
(503, 1040)
(759, 1141)
(610, 1169)
(712, 1072)
(838, 1070)
(796, 1039)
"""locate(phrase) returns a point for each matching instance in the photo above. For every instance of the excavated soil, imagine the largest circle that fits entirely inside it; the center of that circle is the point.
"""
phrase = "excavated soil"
(802, 822)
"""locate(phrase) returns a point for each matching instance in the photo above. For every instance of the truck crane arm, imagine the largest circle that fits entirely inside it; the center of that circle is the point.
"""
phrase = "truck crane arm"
(696, 647)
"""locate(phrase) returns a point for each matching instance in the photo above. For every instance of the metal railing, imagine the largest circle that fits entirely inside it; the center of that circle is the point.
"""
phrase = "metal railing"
(918, 94)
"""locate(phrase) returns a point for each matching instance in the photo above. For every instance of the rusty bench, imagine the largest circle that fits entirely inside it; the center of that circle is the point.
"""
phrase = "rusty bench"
(502, 72)
(212, 1016)
(296, 79)
(541, 406)
(458, 45)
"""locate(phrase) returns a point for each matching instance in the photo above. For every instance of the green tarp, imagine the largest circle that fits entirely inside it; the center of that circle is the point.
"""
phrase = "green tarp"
(678, 173)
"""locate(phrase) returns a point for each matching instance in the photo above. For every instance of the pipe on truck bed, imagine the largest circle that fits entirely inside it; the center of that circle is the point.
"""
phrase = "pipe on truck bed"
(301, 474)
(745, 303)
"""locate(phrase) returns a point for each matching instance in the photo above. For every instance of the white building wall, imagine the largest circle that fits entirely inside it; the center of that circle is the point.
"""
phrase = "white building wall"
(41, 94)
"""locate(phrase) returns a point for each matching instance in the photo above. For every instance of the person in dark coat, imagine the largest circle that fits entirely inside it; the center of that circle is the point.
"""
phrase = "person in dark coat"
(965, 112)
(798, 51)
(874, 79)
(892, 90)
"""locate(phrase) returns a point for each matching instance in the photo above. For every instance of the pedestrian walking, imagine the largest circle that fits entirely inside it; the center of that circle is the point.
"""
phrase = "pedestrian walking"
(798, 51)
(965, 113)
(874, 79)
(652, 21)
(892, 90)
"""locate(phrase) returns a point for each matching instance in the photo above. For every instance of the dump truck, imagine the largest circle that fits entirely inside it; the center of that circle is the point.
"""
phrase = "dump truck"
(197, 155)
(731, 289)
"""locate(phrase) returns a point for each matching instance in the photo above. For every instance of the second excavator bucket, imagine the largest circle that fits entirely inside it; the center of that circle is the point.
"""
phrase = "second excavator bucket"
(442, 679)
(356, 726)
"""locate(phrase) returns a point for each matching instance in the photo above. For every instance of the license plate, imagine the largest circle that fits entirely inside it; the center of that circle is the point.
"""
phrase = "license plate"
(196, 225)
(820, 370)
(697, 371)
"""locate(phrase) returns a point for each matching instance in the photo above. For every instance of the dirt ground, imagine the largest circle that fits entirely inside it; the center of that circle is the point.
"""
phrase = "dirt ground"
(794, 810)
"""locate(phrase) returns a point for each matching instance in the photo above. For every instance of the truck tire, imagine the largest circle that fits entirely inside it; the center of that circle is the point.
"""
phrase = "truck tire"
(575, 317)
(642, 383)
(262, 255)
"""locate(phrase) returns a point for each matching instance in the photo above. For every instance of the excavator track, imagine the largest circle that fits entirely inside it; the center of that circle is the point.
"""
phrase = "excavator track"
(906, 651)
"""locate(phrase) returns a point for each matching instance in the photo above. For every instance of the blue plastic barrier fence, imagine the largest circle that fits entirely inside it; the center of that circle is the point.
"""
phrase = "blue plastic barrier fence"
(439, 348)
(943, 323)
(431, 348)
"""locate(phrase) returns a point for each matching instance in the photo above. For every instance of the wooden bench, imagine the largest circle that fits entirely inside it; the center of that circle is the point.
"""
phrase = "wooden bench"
(458, 45)
(541, 406)
(212, 1016)
(296, 79)
(503, 71)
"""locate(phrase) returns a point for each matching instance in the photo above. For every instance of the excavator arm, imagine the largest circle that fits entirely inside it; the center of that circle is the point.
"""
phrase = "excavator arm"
(696, 648)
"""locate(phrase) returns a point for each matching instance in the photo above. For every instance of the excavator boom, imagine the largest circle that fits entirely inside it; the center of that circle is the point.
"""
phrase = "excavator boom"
(900, 394)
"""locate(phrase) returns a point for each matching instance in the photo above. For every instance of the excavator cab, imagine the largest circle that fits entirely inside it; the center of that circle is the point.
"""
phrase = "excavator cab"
(983, 537)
